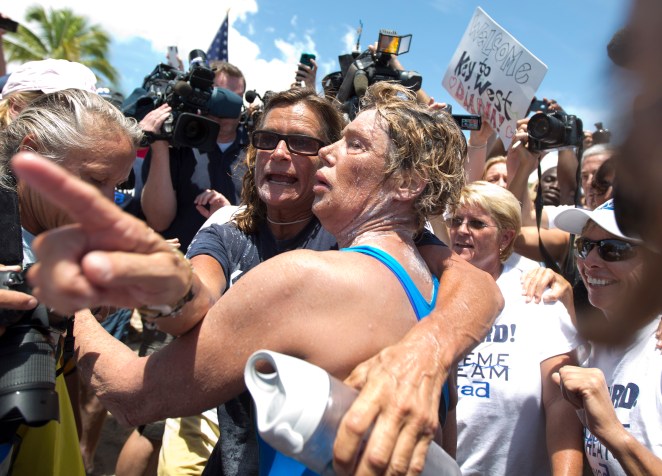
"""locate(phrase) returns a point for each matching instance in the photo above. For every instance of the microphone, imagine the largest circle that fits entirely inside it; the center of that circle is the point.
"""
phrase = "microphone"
(183, 88)
(251, 95)
(360, 82)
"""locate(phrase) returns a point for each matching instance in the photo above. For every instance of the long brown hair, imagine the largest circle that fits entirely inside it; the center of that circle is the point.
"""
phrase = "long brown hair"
(331, 125)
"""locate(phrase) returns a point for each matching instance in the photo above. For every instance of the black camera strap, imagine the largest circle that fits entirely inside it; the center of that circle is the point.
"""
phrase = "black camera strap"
(549, 261)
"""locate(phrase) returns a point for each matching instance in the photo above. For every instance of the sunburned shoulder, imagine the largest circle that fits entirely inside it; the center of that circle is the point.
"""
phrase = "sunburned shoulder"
(308, 268)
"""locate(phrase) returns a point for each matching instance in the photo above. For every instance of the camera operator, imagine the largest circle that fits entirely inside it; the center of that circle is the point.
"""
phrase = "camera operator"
(184, 185)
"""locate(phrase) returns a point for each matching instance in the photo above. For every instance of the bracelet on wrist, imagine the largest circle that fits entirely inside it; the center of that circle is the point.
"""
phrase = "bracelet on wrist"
(482, 146)
(165, 310)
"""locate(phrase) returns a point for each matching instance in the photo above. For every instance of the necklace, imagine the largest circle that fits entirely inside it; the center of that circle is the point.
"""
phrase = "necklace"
(288, 222)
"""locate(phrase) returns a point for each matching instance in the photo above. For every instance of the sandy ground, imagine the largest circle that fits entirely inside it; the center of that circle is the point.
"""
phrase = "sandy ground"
(113, 437)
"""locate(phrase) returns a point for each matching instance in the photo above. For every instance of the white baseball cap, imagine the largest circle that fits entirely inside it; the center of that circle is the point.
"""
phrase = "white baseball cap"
(574, 220)
(49, 76)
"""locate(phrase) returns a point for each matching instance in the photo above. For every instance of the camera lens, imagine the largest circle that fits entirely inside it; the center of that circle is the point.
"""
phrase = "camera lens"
(546, 128)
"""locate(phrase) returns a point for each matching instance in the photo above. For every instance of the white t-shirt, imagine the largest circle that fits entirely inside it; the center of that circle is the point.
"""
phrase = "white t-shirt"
(500, 419)
(634, 377)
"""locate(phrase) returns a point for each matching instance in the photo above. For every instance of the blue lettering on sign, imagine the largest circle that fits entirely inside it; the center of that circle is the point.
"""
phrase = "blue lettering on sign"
(477, 389)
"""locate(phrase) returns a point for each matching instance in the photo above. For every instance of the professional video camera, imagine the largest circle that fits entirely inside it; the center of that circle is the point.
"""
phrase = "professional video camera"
(27, 355)
(368, 68)
(191, 95)
(555, 130)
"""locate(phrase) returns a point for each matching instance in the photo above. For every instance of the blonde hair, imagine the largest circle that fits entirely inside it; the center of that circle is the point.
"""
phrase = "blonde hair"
(17, 101)
(497, 159)
(499, 203)
(425, 143)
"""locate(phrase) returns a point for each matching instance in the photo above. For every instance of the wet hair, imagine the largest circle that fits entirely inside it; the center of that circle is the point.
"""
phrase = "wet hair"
(64, 121)
(499, 203)
(425, 144)
(330, 122)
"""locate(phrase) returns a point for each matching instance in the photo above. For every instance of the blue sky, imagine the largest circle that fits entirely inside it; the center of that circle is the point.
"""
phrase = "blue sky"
(267, 37)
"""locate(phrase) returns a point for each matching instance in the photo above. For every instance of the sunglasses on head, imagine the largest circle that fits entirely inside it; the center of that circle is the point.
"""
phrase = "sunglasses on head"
(296, 143)
(473, 223)
(609, 250)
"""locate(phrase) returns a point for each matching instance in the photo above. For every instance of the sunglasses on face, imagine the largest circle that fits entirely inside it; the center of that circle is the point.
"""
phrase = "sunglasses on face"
(473, 223)
(609, 250)
(296, 143)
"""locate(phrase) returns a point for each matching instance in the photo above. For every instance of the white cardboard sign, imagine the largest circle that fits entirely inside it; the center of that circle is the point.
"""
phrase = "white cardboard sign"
(493, 75)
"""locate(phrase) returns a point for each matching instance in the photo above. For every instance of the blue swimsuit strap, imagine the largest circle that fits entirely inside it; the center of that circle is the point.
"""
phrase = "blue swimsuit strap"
(421, 306)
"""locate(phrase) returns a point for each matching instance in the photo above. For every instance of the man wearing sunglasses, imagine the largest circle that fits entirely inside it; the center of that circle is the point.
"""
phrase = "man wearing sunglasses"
(619, 390)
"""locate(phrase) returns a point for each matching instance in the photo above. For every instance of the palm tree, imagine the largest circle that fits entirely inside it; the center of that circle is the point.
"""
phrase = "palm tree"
(62, 35)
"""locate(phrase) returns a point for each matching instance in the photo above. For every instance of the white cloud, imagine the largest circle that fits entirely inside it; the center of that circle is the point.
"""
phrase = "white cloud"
(349, 39)
(294, 20)
(189, 26)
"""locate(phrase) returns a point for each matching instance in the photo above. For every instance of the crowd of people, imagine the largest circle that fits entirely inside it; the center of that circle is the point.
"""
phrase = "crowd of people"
(512, 321)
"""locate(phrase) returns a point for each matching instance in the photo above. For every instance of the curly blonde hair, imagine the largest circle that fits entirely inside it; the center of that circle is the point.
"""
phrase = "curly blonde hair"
(425, 144)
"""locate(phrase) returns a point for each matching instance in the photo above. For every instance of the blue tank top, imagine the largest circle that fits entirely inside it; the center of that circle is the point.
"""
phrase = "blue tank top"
(274, 463)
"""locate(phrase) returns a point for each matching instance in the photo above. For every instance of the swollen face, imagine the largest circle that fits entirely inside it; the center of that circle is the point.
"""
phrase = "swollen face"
(285, 179)
(350, 189)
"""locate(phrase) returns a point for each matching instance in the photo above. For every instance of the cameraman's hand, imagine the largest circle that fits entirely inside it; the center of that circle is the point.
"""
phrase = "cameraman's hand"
(393, 62)
(106, 257)
(154, 119)
(210, 201)
(307, 74)
(519, 157)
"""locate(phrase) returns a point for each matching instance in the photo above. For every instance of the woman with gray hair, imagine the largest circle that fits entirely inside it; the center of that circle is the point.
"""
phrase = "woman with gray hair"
(396, 163)
(94, 142)
(511, 416)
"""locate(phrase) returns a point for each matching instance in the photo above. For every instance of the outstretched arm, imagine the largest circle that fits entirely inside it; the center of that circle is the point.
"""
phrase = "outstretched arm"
(401, 385)
(107, 257)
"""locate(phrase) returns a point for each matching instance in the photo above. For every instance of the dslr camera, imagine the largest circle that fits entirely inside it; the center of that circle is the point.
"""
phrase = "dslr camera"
(554, 130)
(27, 364)
(367, 68)
(191, 95)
